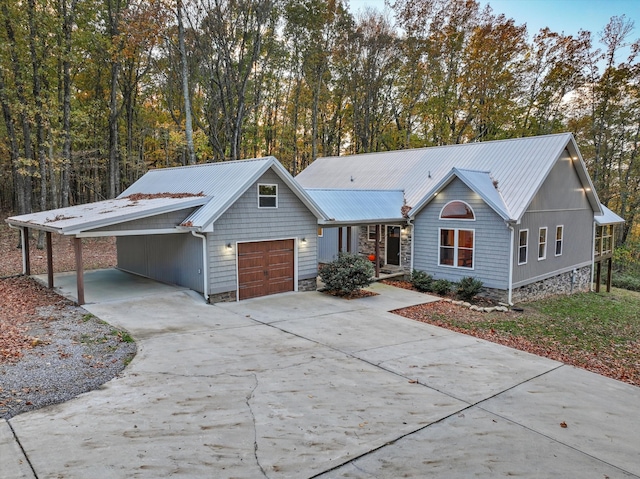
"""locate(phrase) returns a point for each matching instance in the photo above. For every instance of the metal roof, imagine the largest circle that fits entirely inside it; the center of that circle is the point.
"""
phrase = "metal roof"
(607, 217)
(519, 165)
(77, 219)
(479, 181)
(218, 185)
(359, 206)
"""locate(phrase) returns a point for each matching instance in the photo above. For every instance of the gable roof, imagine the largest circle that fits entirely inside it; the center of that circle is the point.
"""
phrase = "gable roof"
(607, 217)
(479, 181)
(213, 187)
(77, 219)
(520, 166)
(223, 183)
(359, 206)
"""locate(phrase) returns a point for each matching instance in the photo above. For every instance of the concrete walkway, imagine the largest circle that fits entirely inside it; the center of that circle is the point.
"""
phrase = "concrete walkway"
(303, 385)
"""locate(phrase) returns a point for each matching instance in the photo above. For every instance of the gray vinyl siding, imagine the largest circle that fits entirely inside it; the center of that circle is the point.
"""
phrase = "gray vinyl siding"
(561, 200)
(170, 258)
(328, 243)
(165, 220)
(244, 221)
(491, 239)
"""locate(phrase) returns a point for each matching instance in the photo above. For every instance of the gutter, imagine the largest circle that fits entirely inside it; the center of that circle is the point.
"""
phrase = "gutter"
(593, 255)
(23, 242)
(205, 265)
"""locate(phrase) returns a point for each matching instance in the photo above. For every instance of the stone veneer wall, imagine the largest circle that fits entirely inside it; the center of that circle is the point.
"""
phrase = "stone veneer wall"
(309, 284)
(367, 247)
(560, 284)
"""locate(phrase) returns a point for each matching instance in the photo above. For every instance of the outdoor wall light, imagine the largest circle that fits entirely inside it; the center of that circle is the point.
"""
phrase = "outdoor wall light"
(229, 246)
(303, 240)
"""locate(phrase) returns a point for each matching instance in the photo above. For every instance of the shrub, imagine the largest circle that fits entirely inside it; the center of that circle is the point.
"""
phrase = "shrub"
(441, 286)
(468, 287)
(632, 283)
(348, 273)
(421, 281)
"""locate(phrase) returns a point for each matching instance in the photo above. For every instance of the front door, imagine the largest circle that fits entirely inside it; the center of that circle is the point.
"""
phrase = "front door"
(393, 245)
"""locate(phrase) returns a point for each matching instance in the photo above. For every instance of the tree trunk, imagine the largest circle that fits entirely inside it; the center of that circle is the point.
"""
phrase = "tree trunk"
(191, 153)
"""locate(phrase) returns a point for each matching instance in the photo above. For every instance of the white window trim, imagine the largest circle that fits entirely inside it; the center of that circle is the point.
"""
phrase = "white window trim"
(526, 257)
(457, 219)
(561, 240)
(456, 247)
(546, 241)
(267, 196)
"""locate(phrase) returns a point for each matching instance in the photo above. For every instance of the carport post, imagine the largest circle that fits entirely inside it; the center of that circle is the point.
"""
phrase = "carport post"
(49, 260)
(77, 246)
(25, 251)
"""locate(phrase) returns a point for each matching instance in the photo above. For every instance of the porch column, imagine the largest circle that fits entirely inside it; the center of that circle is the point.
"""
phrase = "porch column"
(609, 271)
(26, 260)
(340, 240)
(598, 275)
(377, 251)
(49, 260)
(348, 239)
(77, 246)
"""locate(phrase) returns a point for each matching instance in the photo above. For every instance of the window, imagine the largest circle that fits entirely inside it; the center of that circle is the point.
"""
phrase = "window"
(457, 210)
(320, 232)
(542, 244)
(523, 246)
(559, 235)
(267, 196)
(456, 248)
(371, 232)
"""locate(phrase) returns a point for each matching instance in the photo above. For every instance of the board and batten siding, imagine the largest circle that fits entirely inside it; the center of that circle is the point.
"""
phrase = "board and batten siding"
(328, 243)
(491, 239)
(244, 221)
(561, 200)
(169, 258)
(162, 221)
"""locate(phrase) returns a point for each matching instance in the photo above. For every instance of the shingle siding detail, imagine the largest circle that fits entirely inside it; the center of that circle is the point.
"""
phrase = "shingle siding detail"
(491, 238)
(561, 201)
(244, 221)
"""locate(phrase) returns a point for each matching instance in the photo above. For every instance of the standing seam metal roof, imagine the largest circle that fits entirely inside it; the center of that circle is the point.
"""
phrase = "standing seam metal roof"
(352, 206)
(519, 165)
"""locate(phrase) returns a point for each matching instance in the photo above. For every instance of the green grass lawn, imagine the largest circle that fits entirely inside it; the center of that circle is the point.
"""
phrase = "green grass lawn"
(596, 331)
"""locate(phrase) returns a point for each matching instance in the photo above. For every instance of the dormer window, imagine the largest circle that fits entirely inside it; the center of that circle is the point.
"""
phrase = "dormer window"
(457, 210)
(267, 196)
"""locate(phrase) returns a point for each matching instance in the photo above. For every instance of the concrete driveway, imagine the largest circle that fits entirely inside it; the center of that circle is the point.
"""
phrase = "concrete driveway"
(304, 385)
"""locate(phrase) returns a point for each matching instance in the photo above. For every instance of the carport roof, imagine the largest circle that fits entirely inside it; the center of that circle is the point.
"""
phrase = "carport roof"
(75, 220)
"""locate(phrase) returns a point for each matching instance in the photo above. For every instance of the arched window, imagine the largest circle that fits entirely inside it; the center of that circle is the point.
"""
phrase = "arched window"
(457, 210)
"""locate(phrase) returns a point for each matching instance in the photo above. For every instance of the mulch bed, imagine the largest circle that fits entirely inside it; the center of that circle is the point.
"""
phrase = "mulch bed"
(363, 293)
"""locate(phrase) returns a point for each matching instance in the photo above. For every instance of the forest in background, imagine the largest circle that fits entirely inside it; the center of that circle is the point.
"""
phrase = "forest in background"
(96, 92)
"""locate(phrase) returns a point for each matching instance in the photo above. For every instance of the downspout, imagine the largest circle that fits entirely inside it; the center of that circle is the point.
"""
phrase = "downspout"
(205, 265)
(23, 243)
(593, 256)
(412, 230)
(510, 291)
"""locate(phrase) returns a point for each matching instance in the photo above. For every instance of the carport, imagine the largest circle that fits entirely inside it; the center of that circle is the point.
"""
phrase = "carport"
(143, 215)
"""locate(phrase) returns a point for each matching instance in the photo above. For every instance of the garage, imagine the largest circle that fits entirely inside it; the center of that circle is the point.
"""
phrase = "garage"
(265, 267)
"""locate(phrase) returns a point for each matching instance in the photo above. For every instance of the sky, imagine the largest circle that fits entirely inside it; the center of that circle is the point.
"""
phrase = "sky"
(563, 16)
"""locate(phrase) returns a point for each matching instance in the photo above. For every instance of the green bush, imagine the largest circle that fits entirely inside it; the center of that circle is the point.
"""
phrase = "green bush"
(468, 287)
(632, 283)
(348, 273)
(421, 281)
(441, 286)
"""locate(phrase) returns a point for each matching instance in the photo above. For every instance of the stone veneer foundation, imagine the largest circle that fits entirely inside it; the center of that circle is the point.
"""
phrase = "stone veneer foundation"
(310, 284)
(565, 283)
